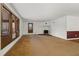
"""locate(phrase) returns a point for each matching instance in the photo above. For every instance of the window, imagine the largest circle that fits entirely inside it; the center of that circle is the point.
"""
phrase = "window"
(9, 26)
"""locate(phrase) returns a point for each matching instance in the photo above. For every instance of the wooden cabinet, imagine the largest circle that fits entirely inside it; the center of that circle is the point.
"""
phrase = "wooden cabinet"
(9, 26)
(72, 34)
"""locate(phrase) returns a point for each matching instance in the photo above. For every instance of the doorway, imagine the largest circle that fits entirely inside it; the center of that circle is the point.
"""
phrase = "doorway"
(30, 27)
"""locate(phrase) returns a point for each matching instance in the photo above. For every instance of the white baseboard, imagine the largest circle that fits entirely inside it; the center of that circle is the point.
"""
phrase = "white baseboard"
(73, 39)
(8, 47)
(58, 37)
(65, 38)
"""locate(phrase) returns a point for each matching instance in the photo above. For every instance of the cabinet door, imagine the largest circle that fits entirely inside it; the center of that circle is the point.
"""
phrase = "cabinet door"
(5, 27)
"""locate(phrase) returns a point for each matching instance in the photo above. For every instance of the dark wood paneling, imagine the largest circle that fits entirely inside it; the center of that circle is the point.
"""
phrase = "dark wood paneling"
(72, 34)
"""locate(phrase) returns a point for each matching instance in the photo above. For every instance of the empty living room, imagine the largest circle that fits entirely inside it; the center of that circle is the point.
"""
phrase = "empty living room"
(39, 29)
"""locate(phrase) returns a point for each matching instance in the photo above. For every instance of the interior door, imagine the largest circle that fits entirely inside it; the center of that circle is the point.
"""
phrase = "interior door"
(30, 27)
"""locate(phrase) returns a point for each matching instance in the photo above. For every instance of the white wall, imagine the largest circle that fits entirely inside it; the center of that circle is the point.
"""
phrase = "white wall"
(38, 27)
(58, 27)
(4, 50)
(72, 23)
(51, 28)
